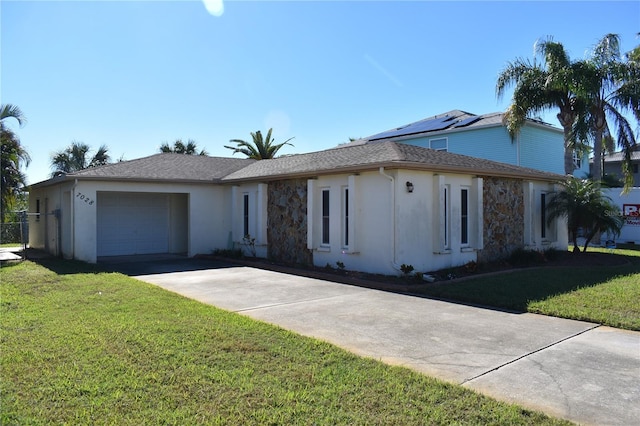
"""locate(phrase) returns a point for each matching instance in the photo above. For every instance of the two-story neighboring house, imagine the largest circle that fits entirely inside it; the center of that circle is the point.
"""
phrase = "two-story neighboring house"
(538, 146)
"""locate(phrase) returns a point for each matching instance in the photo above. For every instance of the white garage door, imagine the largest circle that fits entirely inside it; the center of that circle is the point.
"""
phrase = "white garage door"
(132, 223)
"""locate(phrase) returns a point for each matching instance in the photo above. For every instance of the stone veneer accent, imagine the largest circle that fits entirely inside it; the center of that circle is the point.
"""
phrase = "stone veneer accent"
(503, 204)
(287, 222)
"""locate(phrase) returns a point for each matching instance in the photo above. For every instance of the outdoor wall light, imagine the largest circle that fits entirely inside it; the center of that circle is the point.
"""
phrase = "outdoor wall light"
(409, 187)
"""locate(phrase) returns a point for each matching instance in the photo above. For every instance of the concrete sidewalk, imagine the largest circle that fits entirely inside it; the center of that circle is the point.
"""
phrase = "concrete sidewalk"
(569, 369)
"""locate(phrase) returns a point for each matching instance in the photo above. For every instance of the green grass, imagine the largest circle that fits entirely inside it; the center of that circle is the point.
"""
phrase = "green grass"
(81, 346)
(606, 295)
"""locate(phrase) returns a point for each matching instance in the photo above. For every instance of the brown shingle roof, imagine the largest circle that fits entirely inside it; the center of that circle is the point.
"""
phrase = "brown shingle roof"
(346, 159)
(360, 157)
(162, 167)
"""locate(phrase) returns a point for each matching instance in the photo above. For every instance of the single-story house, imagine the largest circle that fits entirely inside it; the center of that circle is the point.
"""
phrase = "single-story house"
(372, 207)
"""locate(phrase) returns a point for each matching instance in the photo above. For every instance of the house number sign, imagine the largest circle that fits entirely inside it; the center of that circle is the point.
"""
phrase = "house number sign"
(84, 198)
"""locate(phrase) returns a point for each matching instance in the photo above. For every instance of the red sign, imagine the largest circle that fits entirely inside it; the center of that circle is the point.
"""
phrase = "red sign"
(632, 210)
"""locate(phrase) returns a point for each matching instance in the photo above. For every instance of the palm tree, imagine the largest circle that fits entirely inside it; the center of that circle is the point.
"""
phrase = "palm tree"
(12, 157)
(609, 87)
(12, 111)
(260, 149)
(76, 157)
(540, 88)
(191, 148)
(584, 205)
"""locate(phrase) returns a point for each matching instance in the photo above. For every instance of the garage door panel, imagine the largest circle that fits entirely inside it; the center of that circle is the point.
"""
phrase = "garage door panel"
(132, 223)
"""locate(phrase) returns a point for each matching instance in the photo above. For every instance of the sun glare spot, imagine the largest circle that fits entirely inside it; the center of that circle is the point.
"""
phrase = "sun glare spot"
(214, 7)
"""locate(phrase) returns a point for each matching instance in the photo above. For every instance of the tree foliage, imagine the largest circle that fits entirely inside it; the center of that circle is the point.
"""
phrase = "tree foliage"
(590, 95)
(542, 87)
(77, 157)
(609, 88)
(13, 157)
(586, 208)
(260, 148)
(179, 147)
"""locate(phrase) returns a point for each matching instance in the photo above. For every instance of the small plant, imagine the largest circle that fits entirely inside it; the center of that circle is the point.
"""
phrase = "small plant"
(471, 267)
(328, 267)
(418, 276)
(340, 265)
(250, 244)
(406, 269)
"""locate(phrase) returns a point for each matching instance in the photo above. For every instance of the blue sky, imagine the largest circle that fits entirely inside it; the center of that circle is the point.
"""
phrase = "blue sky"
(132, 75)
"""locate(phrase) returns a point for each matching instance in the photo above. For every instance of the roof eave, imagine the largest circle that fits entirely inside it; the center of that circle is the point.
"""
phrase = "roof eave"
(395, 165)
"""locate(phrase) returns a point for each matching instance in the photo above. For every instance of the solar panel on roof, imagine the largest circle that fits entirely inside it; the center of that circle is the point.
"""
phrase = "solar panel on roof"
(467, 121)
(429, 125)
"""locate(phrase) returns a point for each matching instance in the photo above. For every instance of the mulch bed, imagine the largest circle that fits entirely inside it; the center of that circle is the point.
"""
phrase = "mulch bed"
(407, 284)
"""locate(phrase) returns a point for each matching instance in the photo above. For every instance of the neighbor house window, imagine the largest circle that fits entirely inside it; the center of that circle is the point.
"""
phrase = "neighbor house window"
(464, 216)
(635, 168)
(245, 215)
(577, 161)
(345, 217)
(543, 215)
(37, 210)
(438, 144)
(325, 216)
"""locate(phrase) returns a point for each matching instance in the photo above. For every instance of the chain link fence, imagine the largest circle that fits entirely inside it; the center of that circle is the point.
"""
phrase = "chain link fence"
(15, 232)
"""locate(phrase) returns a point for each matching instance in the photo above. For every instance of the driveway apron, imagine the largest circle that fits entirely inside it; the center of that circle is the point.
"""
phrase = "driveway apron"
(570, 369)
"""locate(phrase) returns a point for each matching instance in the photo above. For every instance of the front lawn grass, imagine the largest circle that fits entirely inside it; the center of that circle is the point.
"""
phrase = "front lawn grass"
(606, 295)
(81, 346)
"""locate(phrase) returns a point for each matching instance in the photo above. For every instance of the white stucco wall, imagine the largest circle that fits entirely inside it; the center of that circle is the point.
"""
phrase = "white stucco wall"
(557, 236)
(257, 197)
(390, 226)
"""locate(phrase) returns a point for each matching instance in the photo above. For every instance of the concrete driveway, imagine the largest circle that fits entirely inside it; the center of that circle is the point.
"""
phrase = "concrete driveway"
(570, 369)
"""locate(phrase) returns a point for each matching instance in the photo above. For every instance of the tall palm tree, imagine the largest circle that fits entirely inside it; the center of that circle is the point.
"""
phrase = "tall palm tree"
(76, 157)
(543, 87)
(609, 88)
(260, 148)
(584, 205)
(12, 157)
(191, 148)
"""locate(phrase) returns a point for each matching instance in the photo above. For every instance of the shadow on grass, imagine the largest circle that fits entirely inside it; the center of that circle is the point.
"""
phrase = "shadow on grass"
(513, 291)
(127, 265)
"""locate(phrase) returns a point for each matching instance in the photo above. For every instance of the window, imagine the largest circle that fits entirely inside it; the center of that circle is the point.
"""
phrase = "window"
(438, 144)
(446, 216)
(345, 218)
(635, 168)
(464, 216)
(543, 215)
(38, 210)
(245, 215)
(325, 216)
(577, 161)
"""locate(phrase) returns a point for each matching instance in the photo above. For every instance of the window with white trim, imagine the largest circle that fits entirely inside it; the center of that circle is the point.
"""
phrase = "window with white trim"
(245, 215)
(325, 216)
(439, 144)
(345, 217)
(464, 216)
(445, 215)
(543, 215)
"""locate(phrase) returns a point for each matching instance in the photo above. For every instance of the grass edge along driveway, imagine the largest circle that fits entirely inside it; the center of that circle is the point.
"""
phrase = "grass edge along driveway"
(80, 346)
(606, 295)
